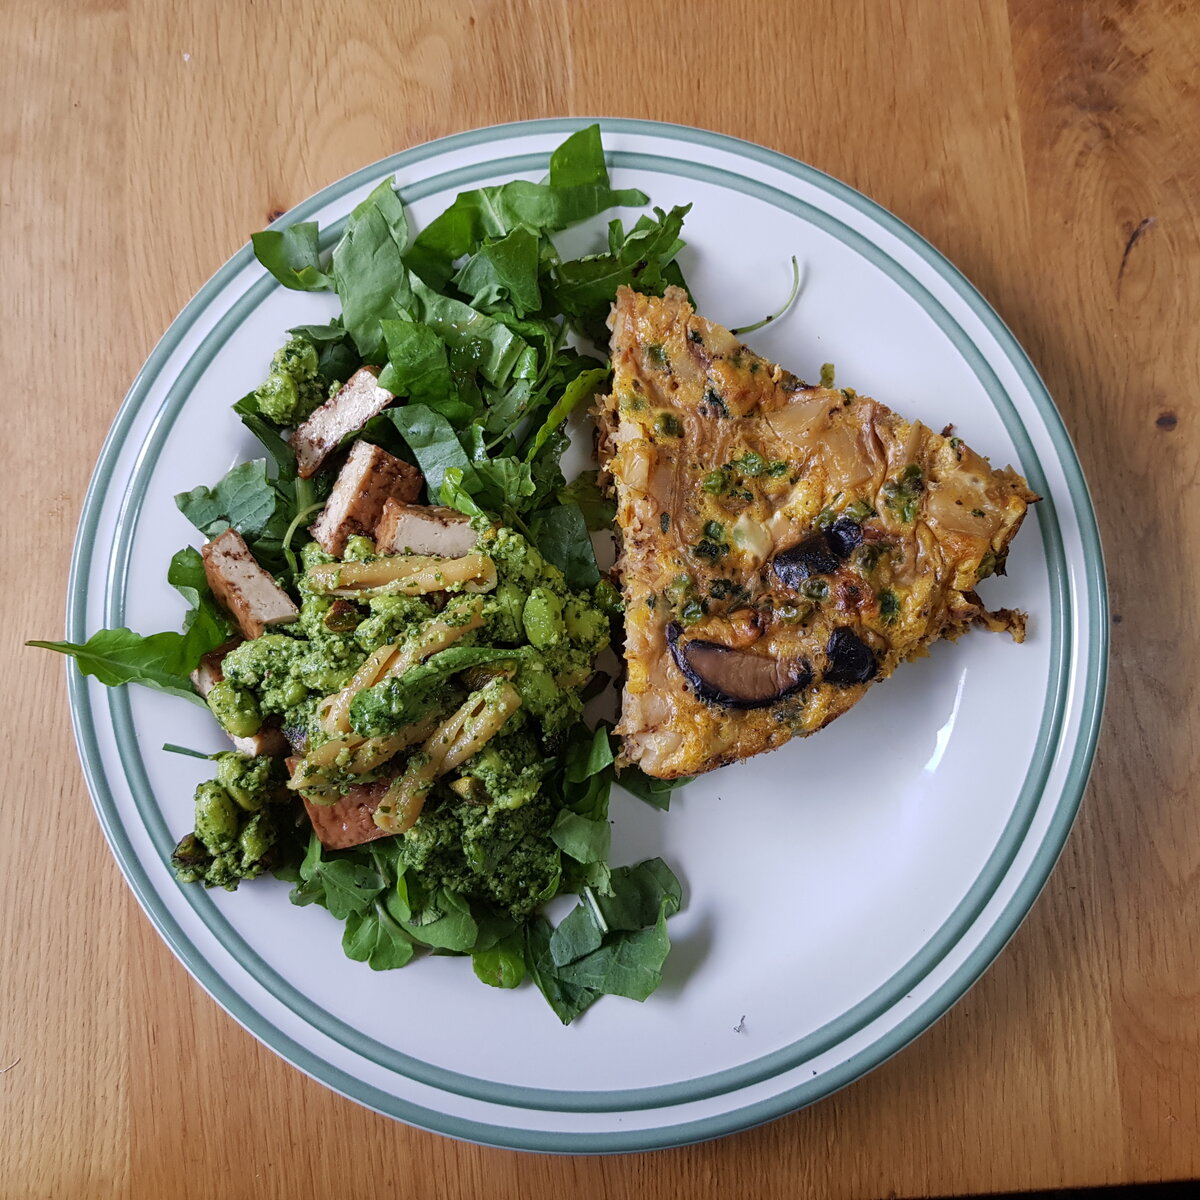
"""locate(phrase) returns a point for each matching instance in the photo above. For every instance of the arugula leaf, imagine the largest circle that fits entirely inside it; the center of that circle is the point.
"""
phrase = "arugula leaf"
(582, 387)
(504, 271)
(293, 256)
(653, 791)
(584, 288)
(368, 269)
(376, 938)
(418, 366)
(349, 887)
(561, 534)
(598, 510)
(345, 885)
(567, 999)
(162, 661)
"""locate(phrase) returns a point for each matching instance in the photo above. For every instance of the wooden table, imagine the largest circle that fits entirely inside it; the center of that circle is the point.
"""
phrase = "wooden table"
(1050, 149)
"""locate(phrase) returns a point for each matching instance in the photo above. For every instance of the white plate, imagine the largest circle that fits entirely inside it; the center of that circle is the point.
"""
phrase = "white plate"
(841, 893)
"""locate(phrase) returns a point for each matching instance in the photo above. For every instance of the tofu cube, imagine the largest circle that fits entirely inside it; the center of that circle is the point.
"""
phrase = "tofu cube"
(367, 479)
(250, 594)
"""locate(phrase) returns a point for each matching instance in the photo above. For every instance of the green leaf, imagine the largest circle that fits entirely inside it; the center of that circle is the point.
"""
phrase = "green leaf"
(434, 444)
(349, 887)
(502, 964)
(653, 791)
(418, 366)
(588, 758)
(582, 387)
(369, 271)
(205, 623)
(585, 288)
(445, 922)
(579, 161)
(629, 964)
(599, 512)
(337, 359)
(576, 935)
(280, 451)
(504, 271)
(567, 999)
(639, 893)
(161, 661)
(561, 534)
(497, 352)
(585, 840)
(246, 499)
(375, 938)
(453, 492)
(293, 256)
(493, 212)
(504, 485)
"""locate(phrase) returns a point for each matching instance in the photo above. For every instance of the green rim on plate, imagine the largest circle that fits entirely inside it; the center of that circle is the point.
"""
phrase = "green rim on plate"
(1048, 742)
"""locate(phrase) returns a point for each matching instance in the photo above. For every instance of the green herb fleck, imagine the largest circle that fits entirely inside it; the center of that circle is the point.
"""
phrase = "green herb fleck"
(889, 606)
(716, 482)
(903, 494)
(827, 374)
(859, 511)
(667, 425)
(751, 463)
(664, 521)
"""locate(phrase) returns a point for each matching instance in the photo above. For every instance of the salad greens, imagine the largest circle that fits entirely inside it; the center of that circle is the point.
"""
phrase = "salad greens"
(470, 323)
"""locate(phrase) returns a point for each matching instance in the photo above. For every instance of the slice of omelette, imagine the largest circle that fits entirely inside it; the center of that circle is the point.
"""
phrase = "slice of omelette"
(784, 546)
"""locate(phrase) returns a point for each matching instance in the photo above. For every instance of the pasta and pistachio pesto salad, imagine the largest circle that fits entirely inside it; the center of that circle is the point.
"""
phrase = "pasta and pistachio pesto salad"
(396, 613)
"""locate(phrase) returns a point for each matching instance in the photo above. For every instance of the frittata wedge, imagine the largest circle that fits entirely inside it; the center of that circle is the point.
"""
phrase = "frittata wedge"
(784, 545)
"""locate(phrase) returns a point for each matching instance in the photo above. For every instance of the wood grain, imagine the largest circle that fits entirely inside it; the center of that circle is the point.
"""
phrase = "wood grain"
(1049, 149)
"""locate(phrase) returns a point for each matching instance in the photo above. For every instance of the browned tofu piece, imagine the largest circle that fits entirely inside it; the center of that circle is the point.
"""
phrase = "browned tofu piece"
(423, 529)
(208, 670)
(350, 821)
(269, 739)
(359, 399)
(249, 593)
(367, 479)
